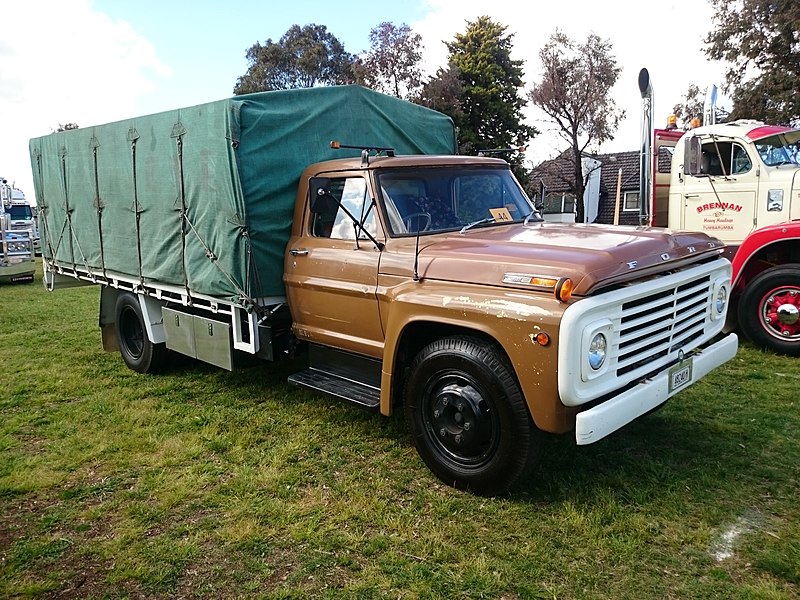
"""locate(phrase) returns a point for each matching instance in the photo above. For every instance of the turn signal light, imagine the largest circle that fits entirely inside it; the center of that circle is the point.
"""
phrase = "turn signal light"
(563, 289)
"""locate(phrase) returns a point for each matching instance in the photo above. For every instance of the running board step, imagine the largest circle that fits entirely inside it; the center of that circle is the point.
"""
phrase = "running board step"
(340, 388)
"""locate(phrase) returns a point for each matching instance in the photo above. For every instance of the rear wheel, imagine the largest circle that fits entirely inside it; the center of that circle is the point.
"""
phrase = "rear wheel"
(138, 352)
(769, 310)
(470, 423)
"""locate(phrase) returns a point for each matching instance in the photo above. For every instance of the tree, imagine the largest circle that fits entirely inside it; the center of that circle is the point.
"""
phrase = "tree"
(443, 92)
(392, 63)
(490, 114)
(759, 38)
(575, 93)
(692, 105)
(304, 57)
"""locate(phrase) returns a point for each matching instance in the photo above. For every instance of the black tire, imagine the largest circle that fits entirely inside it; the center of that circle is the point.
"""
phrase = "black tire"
(138, 352)
(469, 420)
(769, 310)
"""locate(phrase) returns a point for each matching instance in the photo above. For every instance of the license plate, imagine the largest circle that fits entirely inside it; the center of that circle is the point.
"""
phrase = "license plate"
(680, 375)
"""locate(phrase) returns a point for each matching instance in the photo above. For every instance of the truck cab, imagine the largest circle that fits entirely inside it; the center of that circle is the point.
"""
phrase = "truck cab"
(733, 178)
(17, 262)
(430, 283)
(20, 214)
(740, 182)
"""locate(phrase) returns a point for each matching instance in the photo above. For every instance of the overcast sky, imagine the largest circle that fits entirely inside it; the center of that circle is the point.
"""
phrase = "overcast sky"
(91, 62)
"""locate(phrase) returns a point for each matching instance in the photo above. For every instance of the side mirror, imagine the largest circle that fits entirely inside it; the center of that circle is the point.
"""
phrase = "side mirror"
(318, 188)
(692, 156)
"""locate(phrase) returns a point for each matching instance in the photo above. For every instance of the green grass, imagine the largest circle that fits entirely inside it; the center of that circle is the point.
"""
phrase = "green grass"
(202, 483)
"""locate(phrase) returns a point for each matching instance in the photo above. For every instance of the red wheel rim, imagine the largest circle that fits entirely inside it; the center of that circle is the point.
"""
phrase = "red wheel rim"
(779, 313)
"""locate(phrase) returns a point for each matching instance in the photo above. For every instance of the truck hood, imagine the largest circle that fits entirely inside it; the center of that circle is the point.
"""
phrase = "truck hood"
(591, 255)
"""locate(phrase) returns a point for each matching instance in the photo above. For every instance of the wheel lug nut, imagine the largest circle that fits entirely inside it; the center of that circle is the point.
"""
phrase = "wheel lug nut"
(458, 439)
(445, 401)
(443, 432)
(436, 414)
(467, 425)
(461, 407)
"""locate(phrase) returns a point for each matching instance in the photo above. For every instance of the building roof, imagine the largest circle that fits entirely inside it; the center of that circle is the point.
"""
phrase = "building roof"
(611, 165)
(557, 172)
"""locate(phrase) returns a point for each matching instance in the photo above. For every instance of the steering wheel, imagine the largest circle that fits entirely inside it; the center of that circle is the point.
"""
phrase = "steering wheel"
(414, 218)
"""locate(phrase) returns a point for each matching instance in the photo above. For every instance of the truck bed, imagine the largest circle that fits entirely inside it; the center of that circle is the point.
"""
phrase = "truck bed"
(201, 198)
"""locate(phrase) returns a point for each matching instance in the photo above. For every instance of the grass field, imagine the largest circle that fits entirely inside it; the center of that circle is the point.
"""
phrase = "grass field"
(201, 483)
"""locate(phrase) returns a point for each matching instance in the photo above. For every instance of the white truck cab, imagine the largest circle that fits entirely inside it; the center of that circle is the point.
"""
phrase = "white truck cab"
(732, 178)
(20, 213)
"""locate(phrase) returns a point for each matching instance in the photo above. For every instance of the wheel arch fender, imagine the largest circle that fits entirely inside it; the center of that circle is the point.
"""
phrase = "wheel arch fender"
(414, 326)
(153, 318)
(765, 248)
(409, 338)
(151, 313)
(762, 250)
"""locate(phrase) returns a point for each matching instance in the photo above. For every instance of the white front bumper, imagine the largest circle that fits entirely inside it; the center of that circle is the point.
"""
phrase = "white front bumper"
(596, 423)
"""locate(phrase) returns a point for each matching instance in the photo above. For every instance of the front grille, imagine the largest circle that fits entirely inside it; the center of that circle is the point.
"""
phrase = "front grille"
(656, 325)
(647, 323)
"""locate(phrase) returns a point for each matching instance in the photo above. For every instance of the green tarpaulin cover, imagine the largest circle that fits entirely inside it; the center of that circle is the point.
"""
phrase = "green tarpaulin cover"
(202, 197)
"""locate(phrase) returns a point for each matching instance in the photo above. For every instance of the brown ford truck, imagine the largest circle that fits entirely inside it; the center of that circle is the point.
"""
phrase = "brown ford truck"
(411, 278)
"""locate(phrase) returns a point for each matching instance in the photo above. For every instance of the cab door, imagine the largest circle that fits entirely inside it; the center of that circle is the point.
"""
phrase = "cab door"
(720, 199)
(331, 269)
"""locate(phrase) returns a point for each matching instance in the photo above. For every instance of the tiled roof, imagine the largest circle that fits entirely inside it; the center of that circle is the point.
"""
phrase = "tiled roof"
(557, 173)
(609, 174)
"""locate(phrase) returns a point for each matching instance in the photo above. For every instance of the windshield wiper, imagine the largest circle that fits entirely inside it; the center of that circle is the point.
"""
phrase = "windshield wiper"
(479, 222)
(530, 217)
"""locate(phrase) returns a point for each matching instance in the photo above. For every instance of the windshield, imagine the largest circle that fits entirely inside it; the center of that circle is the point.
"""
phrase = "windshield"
(781, 149)
(444, 199)
(20, 211)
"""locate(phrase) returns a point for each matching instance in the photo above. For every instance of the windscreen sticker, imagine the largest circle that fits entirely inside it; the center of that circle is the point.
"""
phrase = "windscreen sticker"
(501, 214)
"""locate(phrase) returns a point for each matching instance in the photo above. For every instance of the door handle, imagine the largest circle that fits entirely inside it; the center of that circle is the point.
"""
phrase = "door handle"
(691, 195)
(298, 252)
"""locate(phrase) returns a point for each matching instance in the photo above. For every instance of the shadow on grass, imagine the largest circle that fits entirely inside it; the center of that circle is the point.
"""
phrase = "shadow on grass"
(690, 446)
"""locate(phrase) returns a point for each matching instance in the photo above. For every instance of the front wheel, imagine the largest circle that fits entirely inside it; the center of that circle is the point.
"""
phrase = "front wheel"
(468, 418)
(769, 310)
(138, 352)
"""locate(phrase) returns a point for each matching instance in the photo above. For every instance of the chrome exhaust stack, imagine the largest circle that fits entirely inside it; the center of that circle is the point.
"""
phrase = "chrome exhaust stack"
(646, 151)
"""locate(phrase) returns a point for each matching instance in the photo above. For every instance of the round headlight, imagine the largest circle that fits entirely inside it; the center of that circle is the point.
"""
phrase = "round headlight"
(597, 351)
(721, 300)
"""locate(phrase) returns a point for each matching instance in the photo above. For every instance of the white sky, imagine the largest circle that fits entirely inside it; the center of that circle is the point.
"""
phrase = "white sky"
(94, 61)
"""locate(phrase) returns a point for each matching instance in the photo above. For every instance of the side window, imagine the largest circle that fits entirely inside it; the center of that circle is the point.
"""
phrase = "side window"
(741, 161)
(631, 201)
(711, 164)
(559, 202)
(719, 158)
(346, 195)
